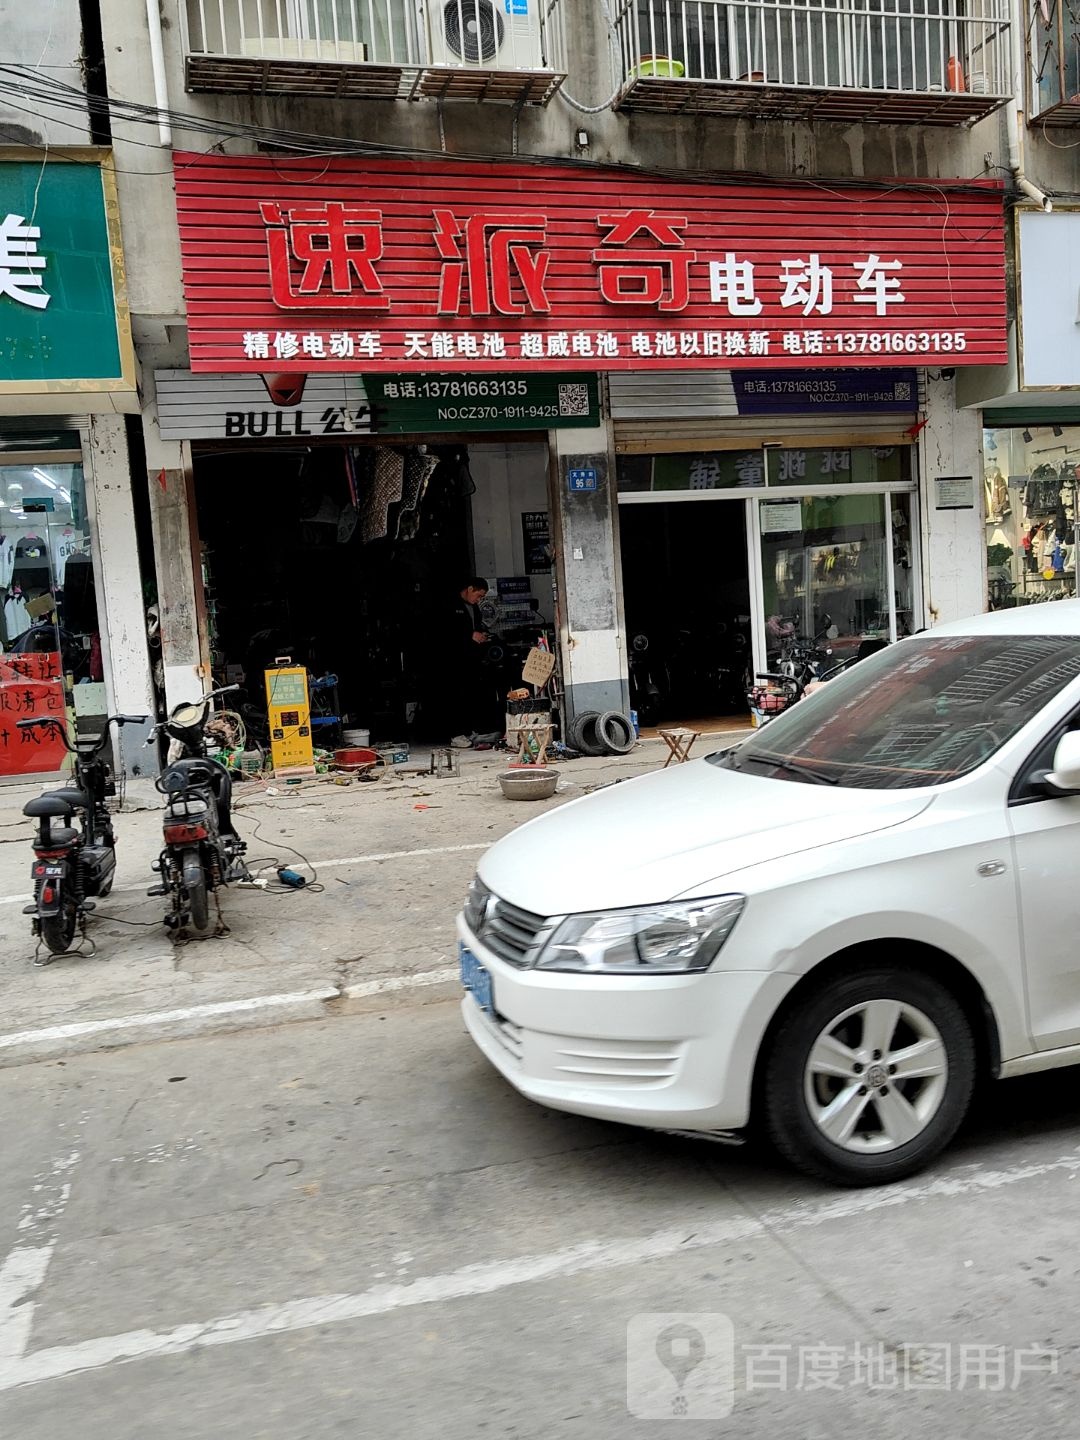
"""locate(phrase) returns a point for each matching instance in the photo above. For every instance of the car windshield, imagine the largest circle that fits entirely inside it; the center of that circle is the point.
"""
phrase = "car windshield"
(920, 713)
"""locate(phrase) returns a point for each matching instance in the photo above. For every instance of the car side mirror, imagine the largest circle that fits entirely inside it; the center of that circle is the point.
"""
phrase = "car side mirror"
(1064, 778)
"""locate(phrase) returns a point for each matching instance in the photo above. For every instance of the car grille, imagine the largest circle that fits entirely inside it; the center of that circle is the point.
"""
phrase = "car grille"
(513, 934)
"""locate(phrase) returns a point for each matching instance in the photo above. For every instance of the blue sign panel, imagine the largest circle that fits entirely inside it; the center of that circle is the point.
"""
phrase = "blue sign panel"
(577, 480)
(826, 392)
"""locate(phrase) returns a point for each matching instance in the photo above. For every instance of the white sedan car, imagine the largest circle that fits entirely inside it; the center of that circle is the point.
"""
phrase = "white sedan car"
(828, 931)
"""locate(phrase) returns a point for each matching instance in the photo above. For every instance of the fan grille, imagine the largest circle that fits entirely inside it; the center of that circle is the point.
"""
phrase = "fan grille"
(474, 30)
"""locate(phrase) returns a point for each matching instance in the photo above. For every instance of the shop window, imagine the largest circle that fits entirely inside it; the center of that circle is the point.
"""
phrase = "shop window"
(1031, 480)
(48, 621)
(838, 568)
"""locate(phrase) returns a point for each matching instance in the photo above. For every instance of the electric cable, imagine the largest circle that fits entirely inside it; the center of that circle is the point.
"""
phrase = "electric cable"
(313, 887)
(17, 80)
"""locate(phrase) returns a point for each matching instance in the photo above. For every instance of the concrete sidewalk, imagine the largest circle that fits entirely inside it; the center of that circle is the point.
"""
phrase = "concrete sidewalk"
(393, 857)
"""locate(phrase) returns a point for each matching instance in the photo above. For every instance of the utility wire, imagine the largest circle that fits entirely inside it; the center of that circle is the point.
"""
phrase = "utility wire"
(41, 90)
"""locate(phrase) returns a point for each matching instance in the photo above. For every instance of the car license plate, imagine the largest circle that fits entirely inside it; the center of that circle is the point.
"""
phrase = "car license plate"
(476, 980)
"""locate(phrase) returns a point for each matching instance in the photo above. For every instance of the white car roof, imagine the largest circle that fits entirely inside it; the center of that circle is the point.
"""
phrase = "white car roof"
(1059, 617)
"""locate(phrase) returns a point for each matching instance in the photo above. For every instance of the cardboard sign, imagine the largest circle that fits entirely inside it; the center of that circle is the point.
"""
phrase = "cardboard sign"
(538, 668)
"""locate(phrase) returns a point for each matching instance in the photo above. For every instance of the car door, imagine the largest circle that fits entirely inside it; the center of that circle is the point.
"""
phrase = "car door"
(1046, 854)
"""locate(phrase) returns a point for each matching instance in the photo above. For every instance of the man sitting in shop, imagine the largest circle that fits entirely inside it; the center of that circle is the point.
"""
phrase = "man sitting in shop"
(473, 682)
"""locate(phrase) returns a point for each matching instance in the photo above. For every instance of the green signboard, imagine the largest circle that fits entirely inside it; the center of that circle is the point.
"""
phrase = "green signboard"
(63, 317)
(422, 404)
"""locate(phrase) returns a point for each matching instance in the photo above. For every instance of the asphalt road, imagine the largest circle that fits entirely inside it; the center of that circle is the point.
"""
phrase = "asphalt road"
(353, 1227)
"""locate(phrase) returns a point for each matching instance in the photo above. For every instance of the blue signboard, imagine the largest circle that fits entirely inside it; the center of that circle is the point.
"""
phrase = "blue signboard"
(826, 392)
(578, 480)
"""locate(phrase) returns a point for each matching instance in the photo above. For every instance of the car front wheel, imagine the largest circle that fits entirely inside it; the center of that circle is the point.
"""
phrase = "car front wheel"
(869, 1077)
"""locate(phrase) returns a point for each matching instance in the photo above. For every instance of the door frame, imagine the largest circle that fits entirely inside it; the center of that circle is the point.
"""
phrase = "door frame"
(751, 502)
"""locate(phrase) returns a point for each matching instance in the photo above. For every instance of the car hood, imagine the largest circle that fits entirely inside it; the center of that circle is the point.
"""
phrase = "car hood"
(674, 831)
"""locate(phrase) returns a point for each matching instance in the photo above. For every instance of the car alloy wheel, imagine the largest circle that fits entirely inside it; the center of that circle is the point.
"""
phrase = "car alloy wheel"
(876, 1076)
(869, 1076)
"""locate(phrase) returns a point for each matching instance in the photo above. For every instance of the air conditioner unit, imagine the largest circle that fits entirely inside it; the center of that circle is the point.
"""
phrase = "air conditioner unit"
(485, 34)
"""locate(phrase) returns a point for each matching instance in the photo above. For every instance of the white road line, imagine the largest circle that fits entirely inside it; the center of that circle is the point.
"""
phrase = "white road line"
(319, 865)
(392, 983)
(81, 1029)
(225, 1009)
(485, 1279)
(23, 1270)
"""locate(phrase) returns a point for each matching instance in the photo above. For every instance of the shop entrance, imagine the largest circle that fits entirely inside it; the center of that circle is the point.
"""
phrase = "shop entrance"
(686, 594)
(350, 559)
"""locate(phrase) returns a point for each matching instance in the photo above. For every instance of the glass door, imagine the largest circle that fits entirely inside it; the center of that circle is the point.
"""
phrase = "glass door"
(827, 569)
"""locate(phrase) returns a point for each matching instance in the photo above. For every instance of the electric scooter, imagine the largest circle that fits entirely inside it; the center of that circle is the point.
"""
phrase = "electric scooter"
(202, 852)
(73, 866)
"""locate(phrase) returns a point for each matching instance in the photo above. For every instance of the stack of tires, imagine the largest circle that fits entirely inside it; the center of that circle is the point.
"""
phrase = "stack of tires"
(602, 732)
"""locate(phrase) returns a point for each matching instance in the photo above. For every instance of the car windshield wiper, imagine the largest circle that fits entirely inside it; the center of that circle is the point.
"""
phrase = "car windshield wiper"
(802, 771)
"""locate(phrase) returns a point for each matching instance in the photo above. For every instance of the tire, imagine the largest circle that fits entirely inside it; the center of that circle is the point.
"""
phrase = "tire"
(615, 733)
(198, 902)
(58, 931)
(811, 1087)
(583, 734)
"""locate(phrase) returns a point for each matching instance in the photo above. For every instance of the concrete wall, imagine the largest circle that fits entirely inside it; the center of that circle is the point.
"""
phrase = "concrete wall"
(590, 580)
(954, 541)
(48, 38)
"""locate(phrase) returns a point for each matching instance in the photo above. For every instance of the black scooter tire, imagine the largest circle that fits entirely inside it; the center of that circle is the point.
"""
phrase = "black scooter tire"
(615, 733)
(58, 931)
(198, 901)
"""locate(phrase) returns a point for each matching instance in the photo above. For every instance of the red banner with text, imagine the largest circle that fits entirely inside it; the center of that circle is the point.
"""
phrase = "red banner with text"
(31, 687)
(334, 265)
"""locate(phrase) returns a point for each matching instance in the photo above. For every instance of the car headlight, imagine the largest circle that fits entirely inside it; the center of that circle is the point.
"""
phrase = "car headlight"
(657, 939)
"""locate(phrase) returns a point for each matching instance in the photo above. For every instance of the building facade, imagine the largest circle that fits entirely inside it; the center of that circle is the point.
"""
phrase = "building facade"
(675, 317)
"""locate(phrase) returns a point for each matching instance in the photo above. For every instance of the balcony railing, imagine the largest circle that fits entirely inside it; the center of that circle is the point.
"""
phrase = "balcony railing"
(510, 50)
(943, 62)
(1053, 48)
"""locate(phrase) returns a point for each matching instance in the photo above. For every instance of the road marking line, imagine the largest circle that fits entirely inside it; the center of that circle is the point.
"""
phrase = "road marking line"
(82, 1029)
(262, 1321)
(23, 1270)
(391, 983)
(319, 865)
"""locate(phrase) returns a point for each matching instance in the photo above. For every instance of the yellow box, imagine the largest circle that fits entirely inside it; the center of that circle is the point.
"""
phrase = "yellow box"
(289, 712)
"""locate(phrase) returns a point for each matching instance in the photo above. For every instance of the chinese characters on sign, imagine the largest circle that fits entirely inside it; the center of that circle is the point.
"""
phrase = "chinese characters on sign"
(583, 480)
(30, 687)
(544, 265)
(20, 264)
(64, 324)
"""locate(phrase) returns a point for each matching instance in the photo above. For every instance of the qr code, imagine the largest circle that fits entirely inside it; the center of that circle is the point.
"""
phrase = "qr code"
(573, 399)
(902, 390)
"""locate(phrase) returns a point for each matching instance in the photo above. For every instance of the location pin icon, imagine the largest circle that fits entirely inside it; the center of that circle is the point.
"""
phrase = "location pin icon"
(680, 1349)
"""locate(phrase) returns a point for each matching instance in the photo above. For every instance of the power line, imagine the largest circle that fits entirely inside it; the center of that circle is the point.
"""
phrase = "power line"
(43, 90)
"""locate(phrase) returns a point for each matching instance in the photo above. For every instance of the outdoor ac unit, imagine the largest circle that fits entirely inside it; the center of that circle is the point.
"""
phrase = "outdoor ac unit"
(485, 34)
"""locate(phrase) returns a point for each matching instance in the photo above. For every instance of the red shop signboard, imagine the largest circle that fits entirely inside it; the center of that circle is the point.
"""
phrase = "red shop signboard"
(302, 265)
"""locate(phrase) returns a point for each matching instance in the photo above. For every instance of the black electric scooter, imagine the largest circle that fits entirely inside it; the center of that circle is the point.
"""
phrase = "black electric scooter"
(73, 866)
(202, 852)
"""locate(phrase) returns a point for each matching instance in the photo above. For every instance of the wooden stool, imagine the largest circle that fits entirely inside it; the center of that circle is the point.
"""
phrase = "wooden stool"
(530, 736)
(678, 743)
(444, 761)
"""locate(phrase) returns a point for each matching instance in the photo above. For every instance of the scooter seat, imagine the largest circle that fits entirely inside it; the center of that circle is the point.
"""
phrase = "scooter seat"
(77, 799)
(49, 805)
